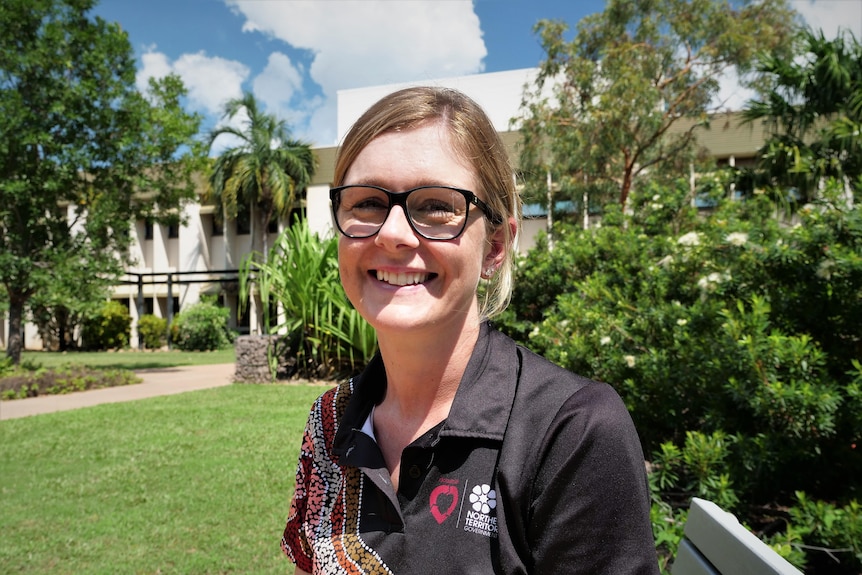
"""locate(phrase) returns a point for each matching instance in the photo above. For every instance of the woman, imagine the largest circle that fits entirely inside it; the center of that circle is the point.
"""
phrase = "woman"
(455, 451)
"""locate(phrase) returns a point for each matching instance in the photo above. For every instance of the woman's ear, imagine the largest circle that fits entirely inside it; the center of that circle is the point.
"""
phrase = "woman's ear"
(498, 246)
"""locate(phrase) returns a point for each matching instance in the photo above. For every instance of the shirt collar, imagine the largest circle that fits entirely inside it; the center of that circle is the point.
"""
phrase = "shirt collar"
(482, 404)
(484, 398)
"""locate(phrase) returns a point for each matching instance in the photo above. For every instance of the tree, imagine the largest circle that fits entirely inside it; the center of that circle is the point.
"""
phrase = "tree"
(260, 175)
(813, 112)
(82, 152)
(263, 172)
(601, 112)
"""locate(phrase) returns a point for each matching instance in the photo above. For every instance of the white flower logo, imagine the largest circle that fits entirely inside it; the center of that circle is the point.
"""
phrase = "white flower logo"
(483, 498)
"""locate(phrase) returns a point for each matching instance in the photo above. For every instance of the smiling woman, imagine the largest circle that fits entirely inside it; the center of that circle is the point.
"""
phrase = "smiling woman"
(455, 446)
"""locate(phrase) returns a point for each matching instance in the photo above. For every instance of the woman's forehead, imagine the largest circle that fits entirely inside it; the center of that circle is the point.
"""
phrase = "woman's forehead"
(409, 158)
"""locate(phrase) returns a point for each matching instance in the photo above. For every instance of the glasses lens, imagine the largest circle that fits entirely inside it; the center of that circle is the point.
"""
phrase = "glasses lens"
(437, 213)
(361, 211)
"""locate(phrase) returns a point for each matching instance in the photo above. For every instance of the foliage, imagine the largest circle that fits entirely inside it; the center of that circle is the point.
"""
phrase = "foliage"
(324, 332)
(694, 467)
(202, 327)
(668, 524)
(110, 328)
(732, 333)
(153, 331)
(6, 366)
(833, 532)
(82, 152)
(23, 382)
(620, 101)
(60, 309)
(732, 338)
(264, 173)
(814, 115)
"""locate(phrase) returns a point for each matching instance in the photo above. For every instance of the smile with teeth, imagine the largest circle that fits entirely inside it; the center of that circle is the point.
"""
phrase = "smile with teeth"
(402, 278)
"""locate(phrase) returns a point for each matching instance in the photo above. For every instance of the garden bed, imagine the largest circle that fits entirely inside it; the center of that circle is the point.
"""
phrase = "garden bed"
(20, 383)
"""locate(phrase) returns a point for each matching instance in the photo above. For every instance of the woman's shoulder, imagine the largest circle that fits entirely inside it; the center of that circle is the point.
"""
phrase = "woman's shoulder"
(335, 399)
(544, 383)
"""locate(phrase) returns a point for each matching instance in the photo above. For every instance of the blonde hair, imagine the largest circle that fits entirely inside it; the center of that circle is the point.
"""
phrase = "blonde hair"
(474, 137)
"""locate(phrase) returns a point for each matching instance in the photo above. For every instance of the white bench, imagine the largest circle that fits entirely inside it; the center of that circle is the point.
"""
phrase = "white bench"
(715, 543)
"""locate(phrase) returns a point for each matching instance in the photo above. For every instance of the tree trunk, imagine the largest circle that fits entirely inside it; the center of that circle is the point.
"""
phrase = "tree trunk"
(626, 187)
(15, 343)
(259, 225)
(62, 323)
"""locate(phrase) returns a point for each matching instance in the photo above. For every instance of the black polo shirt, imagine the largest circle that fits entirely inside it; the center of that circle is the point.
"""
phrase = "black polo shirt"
(535, 470)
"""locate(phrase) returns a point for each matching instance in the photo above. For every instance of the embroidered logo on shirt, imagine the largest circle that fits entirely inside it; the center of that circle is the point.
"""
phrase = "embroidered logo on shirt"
(443, 499)
(483, 502)
(483, 498)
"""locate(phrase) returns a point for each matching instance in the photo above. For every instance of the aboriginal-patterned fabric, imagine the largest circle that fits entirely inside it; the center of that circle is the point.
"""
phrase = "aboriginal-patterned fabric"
(322, 533)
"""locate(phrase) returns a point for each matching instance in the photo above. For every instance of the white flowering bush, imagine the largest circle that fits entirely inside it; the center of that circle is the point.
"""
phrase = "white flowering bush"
(731, 323)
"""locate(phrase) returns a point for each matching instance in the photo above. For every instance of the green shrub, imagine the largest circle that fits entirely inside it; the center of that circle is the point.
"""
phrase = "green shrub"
(153, 331)
(667, 527)
(733, 339)
(109, 329)
(202, 327)
(26, 382)
(833, 533)
(6, 366)
(325, 335)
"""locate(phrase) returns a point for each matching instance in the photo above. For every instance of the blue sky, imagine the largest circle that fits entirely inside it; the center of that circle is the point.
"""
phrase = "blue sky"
(296, 54)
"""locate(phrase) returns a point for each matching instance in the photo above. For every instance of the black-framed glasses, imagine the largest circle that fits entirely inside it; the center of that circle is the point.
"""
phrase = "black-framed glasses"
(434, 212)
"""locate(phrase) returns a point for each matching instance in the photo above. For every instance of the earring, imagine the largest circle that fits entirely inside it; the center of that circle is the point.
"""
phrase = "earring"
(488, 273)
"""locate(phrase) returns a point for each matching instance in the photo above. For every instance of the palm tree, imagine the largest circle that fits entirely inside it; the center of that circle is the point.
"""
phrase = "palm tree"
(263, 173)
(813, 112)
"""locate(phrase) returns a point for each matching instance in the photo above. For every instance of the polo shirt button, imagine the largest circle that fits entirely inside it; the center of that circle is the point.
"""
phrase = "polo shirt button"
(415, 472)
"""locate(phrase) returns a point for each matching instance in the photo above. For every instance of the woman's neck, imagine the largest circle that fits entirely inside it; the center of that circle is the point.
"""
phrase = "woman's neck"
(422, 377)
(423, 371)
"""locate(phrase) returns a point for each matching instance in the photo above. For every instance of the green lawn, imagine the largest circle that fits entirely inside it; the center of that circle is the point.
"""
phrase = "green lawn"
(193, 483)
(129, 359)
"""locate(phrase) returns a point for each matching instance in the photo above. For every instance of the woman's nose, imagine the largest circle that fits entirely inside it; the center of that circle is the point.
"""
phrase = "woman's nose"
(396, 230)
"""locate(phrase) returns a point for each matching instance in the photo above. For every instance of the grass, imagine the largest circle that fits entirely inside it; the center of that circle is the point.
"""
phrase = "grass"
(129, 359)
(193, 483)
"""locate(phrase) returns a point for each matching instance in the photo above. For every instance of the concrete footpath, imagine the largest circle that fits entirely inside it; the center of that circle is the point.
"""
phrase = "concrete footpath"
(165, 381)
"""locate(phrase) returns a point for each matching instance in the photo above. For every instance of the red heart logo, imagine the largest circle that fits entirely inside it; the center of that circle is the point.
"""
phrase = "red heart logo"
(437, 506)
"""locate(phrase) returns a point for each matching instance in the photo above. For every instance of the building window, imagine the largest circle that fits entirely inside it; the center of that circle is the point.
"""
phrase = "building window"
(173, 231)
(148, 229)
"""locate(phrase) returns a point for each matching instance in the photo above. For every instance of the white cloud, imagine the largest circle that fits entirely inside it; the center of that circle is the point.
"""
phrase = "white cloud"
(372, 42)
(210, 81)
(276, 86)
(831, 15)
